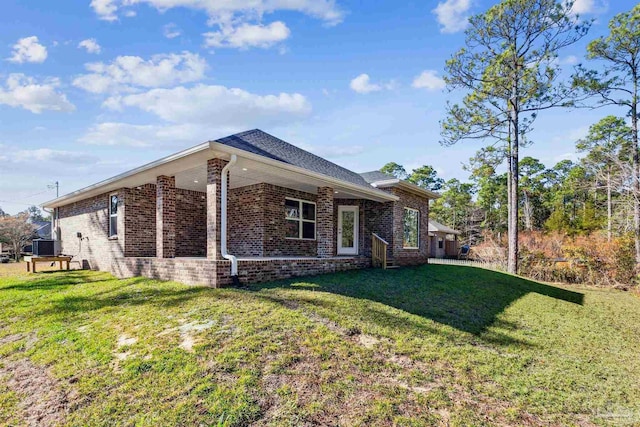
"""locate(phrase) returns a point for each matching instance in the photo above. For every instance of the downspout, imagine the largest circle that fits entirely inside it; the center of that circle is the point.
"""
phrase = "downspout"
(223, 221)
(52, 213)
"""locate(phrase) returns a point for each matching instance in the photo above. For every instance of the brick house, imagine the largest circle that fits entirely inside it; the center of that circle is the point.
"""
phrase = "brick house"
(245, 208)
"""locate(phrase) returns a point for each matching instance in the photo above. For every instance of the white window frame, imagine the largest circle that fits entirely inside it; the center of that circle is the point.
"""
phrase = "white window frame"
(417, 231)
(301, 220)
(113, 215)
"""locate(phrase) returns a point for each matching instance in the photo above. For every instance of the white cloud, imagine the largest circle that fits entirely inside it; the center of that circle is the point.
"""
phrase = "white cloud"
(91, 45)
(125, 134)
(25, 92)
(453, 15)
(197, 113)
(246, 35)
(362, 84)
(127, 72)
(229, 11)
(569, 60)
(28, 50)
(429, 80)
(49, 155)
(583, 7)
(217, 105)
(105, 9)
(171, 31)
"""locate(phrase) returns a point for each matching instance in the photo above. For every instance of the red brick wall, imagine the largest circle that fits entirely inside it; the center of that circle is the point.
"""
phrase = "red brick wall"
(91, 218)
(140, 221)
(401, 255)
(246, 218)
(325, 225)
(191, 223)
(214, 173)
(216, 272)
(378, 220)
(166, 216)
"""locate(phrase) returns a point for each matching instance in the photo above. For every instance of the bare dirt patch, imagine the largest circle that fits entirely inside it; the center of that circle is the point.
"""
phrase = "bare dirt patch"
(123, 340)
(186, 330)
(11, 338)
(42, 401)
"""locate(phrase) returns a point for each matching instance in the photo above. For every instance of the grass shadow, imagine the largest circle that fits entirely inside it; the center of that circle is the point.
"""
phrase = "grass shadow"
(466, 298)
(120, 296)
(56, 280)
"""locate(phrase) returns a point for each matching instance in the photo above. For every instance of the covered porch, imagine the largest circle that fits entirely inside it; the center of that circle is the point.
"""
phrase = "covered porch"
(232, 215)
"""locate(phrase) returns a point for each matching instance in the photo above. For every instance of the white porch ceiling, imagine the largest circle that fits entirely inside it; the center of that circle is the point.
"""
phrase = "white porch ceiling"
(247, 172)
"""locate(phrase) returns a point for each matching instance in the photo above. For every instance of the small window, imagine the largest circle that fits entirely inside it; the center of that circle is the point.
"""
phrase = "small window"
(300, 217)
(411, 222)
(113, 215)
(440, 243)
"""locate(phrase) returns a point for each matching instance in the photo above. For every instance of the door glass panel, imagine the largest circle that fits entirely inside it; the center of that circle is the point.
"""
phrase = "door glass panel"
(348, 221)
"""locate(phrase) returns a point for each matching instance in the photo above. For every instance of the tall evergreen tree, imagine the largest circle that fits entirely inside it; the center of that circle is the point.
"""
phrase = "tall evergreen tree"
(509, 69)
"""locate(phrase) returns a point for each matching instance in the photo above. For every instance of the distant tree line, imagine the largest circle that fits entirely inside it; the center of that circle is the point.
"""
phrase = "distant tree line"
(596, 193)
(509, 72)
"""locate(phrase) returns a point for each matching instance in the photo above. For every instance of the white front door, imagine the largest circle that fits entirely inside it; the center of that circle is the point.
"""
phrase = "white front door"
(348, 230)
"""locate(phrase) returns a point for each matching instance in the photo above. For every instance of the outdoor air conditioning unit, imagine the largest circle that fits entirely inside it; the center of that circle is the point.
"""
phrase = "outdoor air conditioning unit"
(46, 247)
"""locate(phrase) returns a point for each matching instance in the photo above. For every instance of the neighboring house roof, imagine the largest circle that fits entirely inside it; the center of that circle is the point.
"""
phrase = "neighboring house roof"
(261, 143)
(436, 227)
(382, 180)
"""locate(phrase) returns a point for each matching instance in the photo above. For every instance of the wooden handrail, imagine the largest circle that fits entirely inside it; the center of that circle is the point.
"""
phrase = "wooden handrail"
(378, 251)
(380, 238)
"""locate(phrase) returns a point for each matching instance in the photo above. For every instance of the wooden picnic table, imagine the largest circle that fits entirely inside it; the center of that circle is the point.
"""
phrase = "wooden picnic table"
(33, 260)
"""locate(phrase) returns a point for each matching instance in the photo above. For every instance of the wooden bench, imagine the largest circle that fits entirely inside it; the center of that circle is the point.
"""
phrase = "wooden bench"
(33, 260)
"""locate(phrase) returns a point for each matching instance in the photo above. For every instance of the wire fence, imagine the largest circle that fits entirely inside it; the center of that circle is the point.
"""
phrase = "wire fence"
(487, 265)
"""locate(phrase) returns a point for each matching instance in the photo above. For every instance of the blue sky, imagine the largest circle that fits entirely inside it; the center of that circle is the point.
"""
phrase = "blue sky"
(89, 89)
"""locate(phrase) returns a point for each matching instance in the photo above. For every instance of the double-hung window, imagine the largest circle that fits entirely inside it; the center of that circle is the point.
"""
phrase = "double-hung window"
(411, 223)
(113, 215)
(300, 218)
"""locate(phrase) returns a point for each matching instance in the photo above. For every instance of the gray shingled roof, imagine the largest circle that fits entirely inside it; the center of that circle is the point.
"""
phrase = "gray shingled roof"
(258, 142)
(375, 176)
(436, 227)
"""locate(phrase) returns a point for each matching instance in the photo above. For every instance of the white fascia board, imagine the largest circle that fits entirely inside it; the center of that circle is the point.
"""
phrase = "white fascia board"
(406, 186)
(110, 184)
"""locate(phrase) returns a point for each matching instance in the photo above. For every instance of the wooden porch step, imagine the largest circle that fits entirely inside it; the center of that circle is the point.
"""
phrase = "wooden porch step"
(391, 264)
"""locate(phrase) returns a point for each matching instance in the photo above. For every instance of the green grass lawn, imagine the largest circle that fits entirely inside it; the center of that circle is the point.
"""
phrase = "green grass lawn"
(431, 345)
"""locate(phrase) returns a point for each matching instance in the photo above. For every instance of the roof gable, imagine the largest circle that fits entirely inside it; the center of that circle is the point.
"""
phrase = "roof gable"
(258, 142)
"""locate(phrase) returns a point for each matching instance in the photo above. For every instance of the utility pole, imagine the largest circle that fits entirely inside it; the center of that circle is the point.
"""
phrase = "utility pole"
(57, 186)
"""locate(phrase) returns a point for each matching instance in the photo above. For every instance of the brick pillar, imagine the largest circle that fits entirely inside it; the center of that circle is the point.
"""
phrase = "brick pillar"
(324, 222)
(166, 216)
(214, 187)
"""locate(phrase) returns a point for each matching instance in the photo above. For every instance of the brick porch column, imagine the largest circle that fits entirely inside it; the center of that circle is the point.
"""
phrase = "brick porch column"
(324, 222)
(165, 216)
(214, 187)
